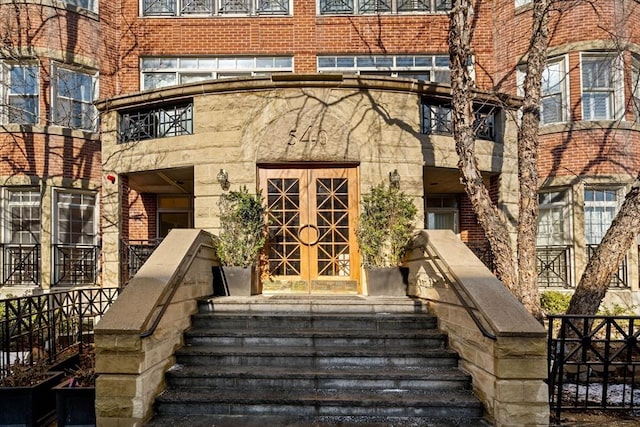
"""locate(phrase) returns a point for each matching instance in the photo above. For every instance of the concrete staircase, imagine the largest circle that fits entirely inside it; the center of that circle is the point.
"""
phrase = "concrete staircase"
(316, 361)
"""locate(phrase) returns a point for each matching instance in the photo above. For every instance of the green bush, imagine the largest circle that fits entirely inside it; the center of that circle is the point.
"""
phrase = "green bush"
(554, 302)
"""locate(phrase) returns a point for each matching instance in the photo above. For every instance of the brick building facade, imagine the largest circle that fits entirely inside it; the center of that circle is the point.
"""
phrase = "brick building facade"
(179, 83)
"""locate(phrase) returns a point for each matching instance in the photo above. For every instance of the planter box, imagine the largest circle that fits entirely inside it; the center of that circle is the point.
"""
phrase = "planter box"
(391, 281)
(30, 405)
(75, 406)
(233, 281)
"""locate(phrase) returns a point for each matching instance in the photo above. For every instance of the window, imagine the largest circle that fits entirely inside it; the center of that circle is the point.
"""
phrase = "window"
(73, 99)
(91, 5)
(436, 119)
(554, 92)
(363, 7)
(441, 212)
(214, 7)
(553, 219)
(430, 68)
(162, 72)
(601, 87)
(600, 207)
(75, 215)
(635, 71)
(173, 212)
(522, 2)
(19, 88)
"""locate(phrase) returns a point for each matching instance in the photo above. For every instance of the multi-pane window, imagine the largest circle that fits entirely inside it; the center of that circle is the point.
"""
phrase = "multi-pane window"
(635, 90)
(19, 89)
(22, 217)
(600, 207)
(91, 5)
(362, 7)
(554, 95)
(73, 99)
(75, 214)
(162, 72)
(600, 85)
(441, 212)
(553, 219)
(214, 7)
(430, 68)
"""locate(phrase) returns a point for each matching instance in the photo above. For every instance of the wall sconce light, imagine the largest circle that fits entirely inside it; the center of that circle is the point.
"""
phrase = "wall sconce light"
(223, 179)
(394, 179)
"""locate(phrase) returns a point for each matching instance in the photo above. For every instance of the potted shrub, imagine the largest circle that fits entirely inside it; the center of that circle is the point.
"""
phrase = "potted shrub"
(241, 239)
(384, 233)
(76, 395)
(26, 396)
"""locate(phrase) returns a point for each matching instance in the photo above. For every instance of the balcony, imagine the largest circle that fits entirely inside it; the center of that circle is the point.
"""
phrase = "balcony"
(554, 266)
(75, 265)
(20, 265)
(155, 123)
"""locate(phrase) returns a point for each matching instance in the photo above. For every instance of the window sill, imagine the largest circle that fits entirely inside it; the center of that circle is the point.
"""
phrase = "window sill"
(585, 125)
(49, 130)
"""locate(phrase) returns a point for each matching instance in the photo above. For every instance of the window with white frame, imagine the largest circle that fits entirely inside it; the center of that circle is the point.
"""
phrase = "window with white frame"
(430, 68)
(74, 93)
(522, 2)
(365, 7)
(188, 8)
(162, 72)
(75, 218)
(635, 71)
(20, 93)
(441, 212)
(601, 87)
(553, 104)
(22, 213)
(553, 218)
(600, 207)
(91, 5)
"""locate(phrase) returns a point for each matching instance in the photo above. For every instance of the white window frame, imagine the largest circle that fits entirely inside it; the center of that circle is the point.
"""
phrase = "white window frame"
(214, 8)
(393, 8)
(635, 81)
(606, 206)
(390, 65)
(6, 222)
(182, 70)
(556, 206)
(562, 90)
(614, 89)
(89, 117)
(453, 210)
(520, 3)
(91, 5)
(7, 93)
(57, 204)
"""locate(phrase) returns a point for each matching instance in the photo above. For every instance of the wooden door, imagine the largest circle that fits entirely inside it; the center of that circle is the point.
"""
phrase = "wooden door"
(311, 246)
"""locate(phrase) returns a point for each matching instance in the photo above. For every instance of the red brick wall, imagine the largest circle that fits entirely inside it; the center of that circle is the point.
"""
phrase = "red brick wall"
(141, 219)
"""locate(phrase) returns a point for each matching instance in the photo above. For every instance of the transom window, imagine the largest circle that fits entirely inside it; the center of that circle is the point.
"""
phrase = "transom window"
(601, 87)
(214, 7)
(19, 92)
(362, 7)
(553, 219)
(162, 72)
(74, 93)
(430, 68)
(600, 207)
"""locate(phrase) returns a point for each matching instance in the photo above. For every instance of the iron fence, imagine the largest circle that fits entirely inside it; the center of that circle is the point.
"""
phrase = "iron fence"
(134, 253)
(593, 362)
(554, 266)
(48, 326)
(20, 265)
(75, 265)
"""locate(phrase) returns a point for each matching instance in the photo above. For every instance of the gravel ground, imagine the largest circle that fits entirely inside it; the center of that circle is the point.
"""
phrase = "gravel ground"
(597, 419)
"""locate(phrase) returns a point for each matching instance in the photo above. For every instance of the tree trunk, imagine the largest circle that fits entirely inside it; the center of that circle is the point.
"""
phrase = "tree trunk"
(607, 258)
(529, 294)
(462, 119)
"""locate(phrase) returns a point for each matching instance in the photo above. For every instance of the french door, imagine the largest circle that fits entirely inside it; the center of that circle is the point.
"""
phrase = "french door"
(311, 246)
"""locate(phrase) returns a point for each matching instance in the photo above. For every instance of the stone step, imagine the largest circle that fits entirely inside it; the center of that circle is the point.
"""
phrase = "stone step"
(269, 356)
(427, 379)
(321, 403)
(344, 321)
(315, 337)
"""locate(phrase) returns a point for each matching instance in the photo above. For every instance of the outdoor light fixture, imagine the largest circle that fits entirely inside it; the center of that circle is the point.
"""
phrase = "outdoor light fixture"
(223, 179)
(394, 179)
(111, 178)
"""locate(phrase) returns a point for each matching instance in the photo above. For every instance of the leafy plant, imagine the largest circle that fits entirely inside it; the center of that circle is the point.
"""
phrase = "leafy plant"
(243, 234)
(22, 374)
(386, 226)
(554, 302)
(84, 374)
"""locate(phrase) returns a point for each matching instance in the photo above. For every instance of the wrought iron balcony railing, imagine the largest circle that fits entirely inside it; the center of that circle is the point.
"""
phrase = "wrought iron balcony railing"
(53, 324)
(620, 277)
(436, 119)
(134, 254)
(20, 265)
(362, 7)
(554, 264)
(75, 265)
(214, 7)
(156, 123)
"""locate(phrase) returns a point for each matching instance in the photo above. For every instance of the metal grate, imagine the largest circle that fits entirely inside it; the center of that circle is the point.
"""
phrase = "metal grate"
(553, 266)
(156, 123)
(20, 265)
(75, 265)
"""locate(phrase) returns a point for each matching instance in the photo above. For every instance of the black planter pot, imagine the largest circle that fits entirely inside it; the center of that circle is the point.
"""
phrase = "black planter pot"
(232, 281)
(30, 405)
(387, 281)
(75, 406)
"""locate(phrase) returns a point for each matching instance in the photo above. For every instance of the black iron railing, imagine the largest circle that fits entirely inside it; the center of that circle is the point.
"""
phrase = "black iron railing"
(594, 362)
(554, 266)
(20, 265)
(436, 119)
(619, 279)
(134, 254)
(214, 7)
(154, 123)
(49, 326)
(75, 265)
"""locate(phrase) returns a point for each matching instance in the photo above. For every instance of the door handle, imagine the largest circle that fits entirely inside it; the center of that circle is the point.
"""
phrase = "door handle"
(310, 242)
